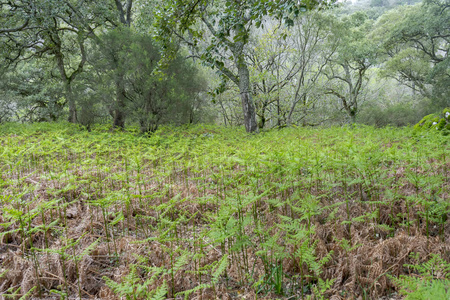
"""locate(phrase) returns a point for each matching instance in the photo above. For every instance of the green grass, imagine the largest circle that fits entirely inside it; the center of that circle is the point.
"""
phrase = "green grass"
(212, 212)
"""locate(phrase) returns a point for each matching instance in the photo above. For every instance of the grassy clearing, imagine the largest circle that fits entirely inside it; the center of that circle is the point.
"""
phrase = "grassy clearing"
(207, 212)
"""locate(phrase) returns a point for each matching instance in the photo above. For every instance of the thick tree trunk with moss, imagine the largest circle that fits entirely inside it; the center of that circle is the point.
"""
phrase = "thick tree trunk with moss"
(248, 107)
(243, 82)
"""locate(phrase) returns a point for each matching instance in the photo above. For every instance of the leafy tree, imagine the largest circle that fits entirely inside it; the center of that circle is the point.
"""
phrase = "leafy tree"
(218, 33)
(347, 68)
(313, 54)
(171, 97)
(29, 93)
(61, 32)
(52, 30)
(271, 69)
(125, 19)
(416, 42)
(379, 3)
(286, 67)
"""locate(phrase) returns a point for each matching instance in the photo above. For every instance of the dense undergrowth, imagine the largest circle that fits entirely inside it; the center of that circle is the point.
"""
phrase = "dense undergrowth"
(213, 213)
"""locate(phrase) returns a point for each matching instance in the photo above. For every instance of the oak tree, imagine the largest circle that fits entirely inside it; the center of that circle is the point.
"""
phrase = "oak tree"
(218, 33)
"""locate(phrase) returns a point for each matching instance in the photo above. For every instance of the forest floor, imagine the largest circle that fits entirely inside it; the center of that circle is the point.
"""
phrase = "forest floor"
(206, 212)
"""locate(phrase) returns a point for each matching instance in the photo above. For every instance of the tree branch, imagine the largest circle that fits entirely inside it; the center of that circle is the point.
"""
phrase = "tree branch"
(20, 28)
(227, 72)
(214, 32)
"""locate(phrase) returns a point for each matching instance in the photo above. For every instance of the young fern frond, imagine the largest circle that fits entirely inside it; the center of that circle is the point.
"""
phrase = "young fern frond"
(221, 266)
(160, 293)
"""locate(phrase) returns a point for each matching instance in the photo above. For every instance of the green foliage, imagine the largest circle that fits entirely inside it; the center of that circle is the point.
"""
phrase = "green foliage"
(355, 54)
(431, 282)
(409, 35)
(128, 61)
(92, 65)
(406, 112)
(379, 3)
(217, 269)
(219, 32)
(439, 122)
(215, 211)
(30, 94)
(133, 286)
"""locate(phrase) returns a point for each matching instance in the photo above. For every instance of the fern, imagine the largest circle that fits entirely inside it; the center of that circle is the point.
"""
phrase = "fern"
(28, 294)
(218, 269)
(433, 281)
(132, 286)
(161, 292)
(269, 205)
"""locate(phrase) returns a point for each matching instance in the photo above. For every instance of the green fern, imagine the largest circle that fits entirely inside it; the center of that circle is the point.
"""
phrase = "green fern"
(132, 286)
(218, 269)
(432, 281)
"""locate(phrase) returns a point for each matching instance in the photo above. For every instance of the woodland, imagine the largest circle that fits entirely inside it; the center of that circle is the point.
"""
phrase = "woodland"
(261, 149)
(261, 64)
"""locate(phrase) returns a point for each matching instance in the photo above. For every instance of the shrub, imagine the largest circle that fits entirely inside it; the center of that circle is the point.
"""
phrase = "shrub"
(439, 122)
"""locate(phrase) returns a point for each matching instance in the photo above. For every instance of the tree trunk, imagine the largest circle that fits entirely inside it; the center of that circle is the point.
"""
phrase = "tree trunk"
(67, 80)
(119, 109)
(278, 111)
(262, 121)
(246, 97)
(262, 115)
(352, 114)
(73, 118)
(119, 119)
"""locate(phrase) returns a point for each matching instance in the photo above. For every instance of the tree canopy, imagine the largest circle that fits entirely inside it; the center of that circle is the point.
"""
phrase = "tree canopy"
(258, 63)
(218, 33)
